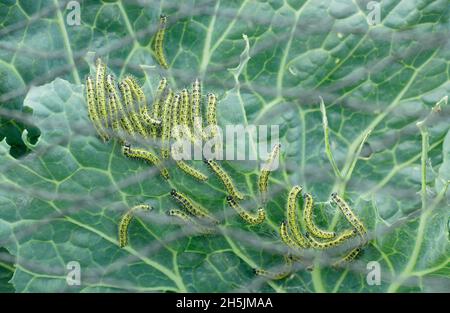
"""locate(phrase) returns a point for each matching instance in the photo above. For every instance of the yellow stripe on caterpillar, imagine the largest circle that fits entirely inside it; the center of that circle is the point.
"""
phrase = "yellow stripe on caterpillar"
(146, 156)
(309, 222)
(246, 216)
(125, 223)
(224, 178)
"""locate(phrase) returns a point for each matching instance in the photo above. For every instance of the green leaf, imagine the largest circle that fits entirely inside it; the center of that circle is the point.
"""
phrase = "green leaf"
(6, 271)
(63, 201)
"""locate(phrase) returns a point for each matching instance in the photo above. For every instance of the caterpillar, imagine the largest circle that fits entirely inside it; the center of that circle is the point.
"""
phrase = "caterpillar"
(191, 171)
(188, 219)
(309, 222)
(100, 91)
(350, 216)
(125, 222)
(156, 107)
(128, 98)
(211, 114)
(196, 106)
(125, 122)
(159, 42)
(272, 275)
(185, 116)
(175, 116)
(147, 156)
(292, 220)
(112, 105)
(286, 271)
(139, 95)
(347, 234)
(249, 218)
(350, 256)
(192, 207)
(265, 171)
(92, 109)
(184, 127)
(225, 178)
(286, 237)
(166, 127)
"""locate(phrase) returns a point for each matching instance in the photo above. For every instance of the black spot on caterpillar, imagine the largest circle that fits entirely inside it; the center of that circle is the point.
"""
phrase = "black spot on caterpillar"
(249, 218)
(193, 208)
(146, 156)
(92, 109)
(225, 179)
(309, 222)
(159, 42)
(265, 171)
(125, 223)
(292, 217)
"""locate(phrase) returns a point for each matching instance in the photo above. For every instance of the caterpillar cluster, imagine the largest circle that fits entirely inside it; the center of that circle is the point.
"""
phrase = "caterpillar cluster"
(121, 110)
(314, 237)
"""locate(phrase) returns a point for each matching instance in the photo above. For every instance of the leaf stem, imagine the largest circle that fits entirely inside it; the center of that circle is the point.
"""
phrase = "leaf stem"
(422, 125)
(328, 151)
(349, 171)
